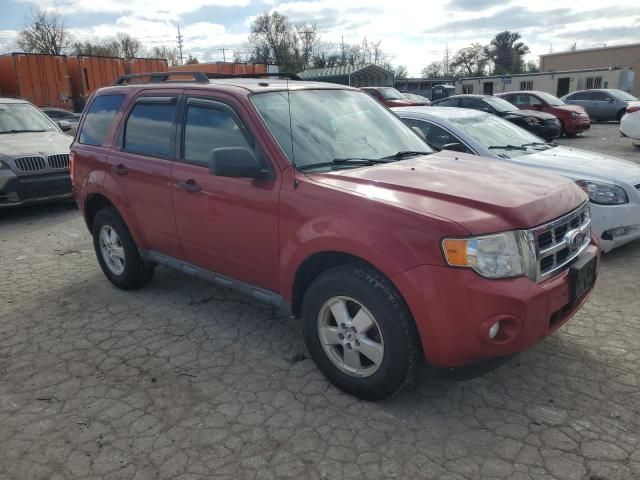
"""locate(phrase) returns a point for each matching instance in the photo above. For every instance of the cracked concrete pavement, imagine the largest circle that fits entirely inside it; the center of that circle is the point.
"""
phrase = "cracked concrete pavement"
(184, 380)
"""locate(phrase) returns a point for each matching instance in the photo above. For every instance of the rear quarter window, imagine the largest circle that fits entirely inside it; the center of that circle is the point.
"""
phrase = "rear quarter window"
(99, 118)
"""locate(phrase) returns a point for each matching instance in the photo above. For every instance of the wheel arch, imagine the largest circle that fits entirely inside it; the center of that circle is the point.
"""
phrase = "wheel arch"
(316, 264)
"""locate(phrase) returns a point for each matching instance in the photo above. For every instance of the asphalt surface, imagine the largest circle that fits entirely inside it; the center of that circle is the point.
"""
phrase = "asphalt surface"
(184, 380)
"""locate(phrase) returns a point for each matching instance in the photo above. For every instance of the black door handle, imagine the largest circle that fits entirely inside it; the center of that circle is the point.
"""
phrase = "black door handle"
(119, 169)
(189, 186)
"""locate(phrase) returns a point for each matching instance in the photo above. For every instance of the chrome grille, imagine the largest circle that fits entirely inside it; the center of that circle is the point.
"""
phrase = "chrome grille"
(553, 247)
(30, 164)
(58, 161)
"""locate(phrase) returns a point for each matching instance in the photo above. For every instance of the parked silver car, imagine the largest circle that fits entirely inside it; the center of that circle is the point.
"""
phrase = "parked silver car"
(34, 156)
(612, 184)
(62, 117)
(601, 104)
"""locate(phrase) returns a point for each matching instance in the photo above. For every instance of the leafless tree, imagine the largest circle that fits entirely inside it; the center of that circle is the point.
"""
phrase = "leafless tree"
(44, 32)
(170, 54)
(127, 46)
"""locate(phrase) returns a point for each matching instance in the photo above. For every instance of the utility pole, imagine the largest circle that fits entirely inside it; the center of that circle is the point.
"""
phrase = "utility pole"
(179, 37)
(224, 57)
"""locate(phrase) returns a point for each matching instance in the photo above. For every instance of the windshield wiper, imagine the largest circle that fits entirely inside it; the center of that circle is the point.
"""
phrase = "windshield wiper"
(506, 147)
(535, 144)
(344, 161)
(21, 131)
(406, 153)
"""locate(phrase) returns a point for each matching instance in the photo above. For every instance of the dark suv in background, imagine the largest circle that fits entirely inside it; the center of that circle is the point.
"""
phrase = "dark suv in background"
(542, 124)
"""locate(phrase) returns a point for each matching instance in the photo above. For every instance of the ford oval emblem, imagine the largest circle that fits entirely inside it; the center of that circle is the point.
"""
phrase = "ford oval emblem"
(574, 239)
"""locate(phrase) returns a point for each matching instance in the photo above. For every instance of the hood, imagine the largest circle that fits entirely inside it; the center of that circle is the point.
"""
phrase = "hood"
(480, 194)
(583, 165)
(570, 108)
(531, 113)
(13, 145)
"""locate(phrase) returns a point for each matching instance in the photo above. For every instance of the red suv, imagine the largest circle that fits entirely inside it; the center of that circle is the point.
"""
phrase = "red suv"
(316, 199)
(391, 97)
(574, 119)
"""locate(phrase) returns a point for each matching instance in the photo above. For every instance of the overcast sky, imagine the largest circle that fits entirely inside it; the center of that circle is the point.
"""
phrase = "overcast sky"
(414, 33)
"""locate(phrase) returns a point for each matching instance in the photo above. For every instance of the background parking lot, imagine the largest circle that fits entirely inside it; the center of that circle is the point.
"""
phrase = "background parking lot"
(185, 380)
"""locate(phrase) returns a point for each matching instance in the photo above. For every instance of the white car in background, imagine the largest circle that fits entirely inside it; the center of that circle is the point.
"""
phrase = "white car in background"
(630, 123)
(612, 184)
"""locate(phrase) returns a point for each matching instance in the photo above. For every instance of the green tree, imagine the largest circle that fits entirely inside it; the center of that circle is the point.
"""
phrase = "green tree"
(470, 61)
(433, 70)
(506, 52)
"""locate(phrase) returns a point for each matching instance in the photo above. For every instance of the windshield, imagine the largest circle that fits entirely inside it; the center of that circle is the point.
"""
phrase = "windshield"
(550, 99)
(620, 95)
(492, 131)
(23, 117)
(500, 104)
(334, 124)
(389, 93)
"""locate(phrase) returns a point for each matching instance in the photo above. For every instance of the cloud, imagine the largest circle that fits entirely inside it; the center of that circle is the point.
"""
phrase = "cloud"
(155, 9)
(474, 5)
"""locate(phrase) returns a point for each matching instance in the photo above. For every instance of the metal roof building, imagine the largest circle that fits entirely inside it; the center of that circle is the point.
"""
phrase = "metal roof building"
(357, 76)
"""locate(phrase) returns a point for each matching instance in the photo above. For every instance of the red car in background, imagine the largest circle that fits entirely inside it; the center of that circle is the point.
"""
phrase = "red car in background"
(574, 119)
(391, 97)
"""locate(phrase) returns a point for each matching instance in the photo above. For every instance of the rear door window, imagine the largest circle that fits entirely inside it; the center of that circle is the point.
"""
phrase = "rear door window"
(150, 127)
(210, 125)
(601, 97)
(474, 104)
(451, 102)
(99, 118)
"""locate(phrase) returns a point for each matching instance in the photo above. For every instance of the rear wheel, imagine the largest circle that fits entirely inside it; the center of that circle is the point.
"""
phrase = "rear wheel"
(117, 253)
(360, 333)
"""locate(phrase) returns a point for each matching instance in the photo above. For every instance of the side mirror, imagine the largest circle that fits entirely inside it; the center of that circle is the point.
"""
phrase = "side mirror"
(64, 125)
(455, 147)
(235, 162)
(420, 133)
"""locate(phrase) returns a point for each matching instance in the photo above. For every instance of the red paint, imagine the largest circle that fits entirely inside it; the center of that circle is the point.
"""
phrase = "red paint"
(392, 216)
(574, 118)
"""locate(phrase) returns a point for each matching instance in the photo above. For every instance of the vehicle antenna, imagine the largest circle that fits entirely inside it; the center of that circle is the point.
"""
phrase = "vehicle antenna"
(293, 155)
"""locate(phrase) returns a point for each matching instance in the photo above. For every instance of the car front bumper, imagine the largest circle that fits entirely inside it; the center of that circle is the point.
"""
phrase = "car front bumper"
(547, 131)
(615, 225)
(454, 308)
(630, 125)
(579, 125)
(32, 189)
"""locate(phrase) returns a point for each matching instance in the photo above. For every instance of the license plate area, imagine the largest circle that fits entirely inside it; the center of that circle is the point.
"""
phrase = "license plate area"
(582, 276)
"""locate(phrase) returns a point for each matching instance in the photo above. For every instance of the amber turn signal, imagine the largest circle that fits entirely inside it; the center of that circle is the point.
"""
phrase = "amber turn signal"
(455, 251)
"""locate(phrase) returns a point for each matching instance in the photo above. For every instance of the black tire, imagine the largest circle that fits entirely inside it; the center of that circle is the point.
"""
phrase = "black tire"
(402, 352)
(137, 272)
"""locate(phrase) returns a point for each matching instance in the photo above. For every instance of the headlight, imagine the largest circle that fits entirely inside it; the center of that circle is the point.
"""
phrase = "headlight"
(532, 121)
(492, 256)
(3, 166)
(603, 193)
(574, 115)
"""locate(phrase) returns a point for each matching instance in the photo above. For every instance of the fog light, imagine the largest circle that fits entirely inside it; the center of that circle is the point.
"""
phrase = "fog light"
(493, 331)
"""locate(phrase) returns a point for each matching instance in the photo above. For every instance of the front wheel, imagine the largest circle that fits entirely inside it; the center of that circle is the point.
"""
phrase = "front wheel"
(117, 252)
(360, 333)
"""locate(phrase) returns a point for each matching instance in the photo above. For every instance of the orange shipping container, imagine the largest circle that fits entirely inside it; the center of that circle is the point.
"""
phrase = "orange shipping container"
(145, 65)
(41, 79)
(227, 68)
(87, 74)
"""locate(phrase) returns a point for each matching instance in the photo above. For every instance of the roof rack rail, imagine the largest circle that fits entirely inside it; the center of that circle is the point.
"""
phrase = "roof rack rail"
(290, 76)
(198, 77)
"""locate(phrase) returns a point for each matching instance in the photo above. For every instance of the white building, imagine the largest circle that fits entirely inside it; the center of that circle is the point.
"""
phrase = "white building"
(557, 83)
